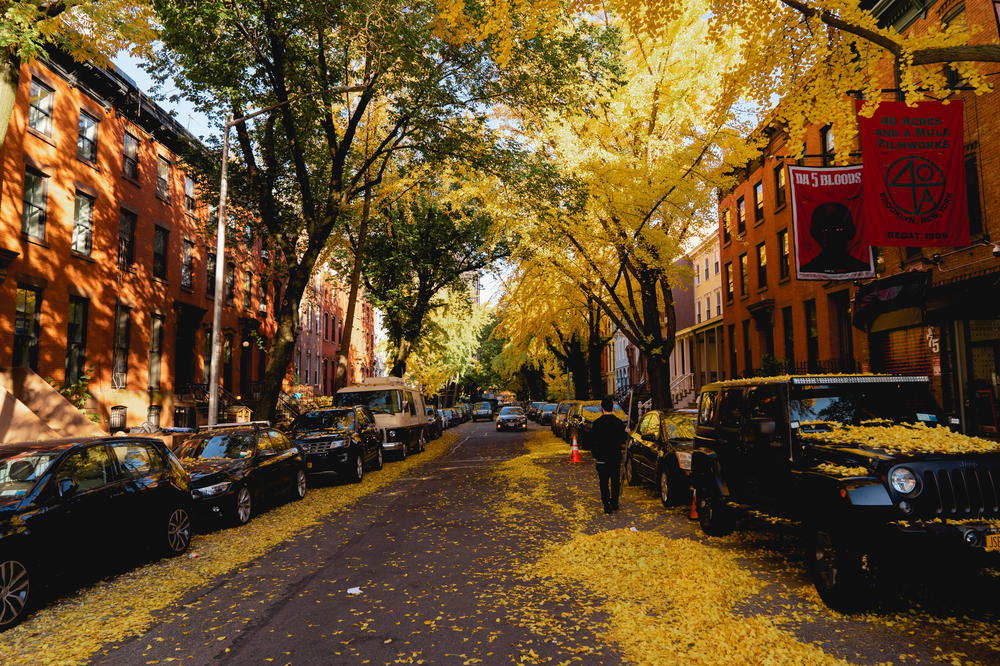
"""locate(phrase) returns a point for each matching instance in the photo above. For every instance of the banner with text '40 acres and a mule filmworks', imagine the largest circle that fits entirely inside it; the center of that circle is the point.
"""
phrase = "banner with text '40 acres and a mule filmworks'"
(914, 176)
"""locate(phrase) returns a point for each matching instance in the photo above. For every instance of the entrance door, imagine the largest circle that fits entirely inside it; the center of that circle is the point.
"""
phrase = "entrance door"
(984, 376)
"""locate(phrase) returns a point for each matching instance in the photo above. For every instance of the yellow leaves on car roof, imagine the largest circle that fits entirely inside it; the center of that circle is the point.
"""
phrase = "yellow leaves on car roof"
(908, 438)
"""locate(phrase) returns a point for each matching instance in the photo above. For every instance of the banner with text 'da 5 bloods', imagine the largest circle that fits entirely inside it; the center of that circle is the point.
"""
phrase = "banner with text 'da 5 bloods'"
(826, 208)
(914, 178)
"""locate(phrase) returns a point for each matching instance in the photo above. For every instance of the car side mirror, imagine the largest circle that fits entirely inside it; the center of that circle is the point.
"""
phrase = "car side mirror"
(67, 487)
(765, 426)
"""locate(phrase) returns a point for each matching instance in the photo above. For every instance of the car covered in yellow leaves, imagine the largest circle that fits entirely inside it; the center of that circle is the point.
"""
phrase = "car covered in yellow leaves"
(866, 462)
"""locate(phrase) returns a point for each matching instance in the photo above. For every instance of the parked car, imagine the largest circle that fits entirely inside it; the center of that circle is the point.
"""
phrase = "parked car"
(445, 416)
(398, 408)
(533, 410)
(581, 417)
(559, 418)
(482, 410)
(512, 418)
(434, 427)
(63, 499)
(344, 440)
(235, 466)
(546, 413)
(659, 452)
(862, 461)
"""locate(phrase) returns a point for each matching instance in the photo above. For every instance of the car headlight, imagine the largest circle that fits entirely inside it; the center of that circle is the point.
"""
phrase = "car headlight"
(209, 491)
(903, 480)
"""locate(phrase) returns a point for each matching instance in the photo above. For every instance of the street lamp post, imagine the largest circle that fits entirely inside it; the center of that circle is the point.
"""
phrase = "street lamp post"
(220, 246)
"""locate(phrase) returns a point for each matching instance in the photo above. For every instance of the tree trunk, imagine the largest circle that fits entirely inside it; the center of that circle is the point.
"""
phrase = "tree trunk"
(577, 362)
(657, 361)
(595, 351)
(340, 375)
(10, 76)
(283, 345)
(399, 362)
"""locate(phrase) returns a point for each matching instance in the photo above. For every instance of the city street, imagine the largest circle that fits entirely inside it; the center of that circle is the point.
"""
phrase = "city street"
(495, 550)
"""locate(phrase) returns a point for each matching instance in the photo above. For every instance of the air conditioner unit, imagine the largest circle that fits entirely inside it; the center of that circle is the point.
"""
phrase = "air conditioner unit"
(262, 308)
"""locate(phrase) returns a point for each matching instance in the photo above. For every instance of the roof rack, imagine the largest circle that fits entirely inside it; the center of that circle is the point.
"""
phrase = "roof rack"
(234, 425)
(860, 379)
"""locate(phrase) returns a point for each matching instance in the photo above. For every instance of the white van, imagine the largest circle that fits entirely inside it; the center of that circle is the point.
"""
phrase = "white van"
(399, 411)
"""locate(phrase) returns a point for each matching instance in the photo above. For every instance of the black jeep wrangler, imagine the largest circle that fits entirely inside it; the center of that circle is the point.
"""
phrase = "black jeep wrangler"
(863, 461)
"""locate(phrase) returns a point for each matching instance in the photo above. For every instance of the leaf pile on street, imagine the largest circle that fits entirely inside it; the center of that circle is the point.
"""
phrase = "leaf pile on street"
(71, 629)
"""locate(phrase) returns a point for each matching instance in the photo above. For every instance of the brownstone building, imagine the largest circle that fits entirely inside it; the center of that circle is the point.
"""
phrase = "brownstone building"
(933, 311)
(107, 256)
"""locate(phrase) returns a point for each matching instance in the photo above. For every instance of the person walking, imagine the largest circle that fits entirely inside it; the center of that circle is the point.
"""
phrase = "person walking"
(606, 438)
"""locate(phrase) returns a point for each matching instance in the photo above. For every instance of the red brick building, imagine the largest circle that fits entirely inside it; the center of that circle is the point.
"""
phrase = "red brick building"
(107, 254)
(946, 320)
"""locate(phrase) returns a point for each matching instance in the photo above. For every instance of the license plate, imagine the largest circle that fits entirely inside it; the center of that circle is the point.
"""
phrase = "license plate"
(684, 460)
(993, 542)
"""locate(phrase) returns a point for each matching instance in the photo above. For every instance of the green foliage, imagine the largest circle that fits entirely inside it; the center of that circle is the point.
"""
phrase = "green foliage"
(771, 366)
(77, 393)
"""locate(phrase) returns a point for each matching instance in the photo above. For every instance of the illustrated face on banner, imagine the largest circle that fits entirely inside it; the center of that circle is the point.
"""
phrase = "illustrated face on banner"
(829, 244)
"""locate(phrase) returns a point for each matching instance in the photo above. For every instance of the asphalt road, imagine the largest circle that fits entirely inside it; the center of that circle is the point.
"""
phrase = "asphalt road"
(427, 570)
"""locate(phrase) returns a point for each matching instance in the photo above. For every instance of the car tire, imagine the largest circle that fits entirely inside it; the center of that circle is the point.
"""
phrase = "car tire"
(630, 477)
(843, 572)
(299, 486)
(405, 451)
(15, 583)
(242, 506)
(178, 532)
(379, 458)
(714, 516)
(357, 473)
(422, 443)
(665, 487)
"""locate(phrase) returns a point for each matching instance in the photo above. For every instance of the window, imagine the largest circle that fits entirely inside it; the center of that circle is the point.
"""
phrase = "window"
(697, 276)
(697, 318)
(743, 275)
(263, 297)
(137, 459)
(812, 336)
(761, 266)
(83, 224)
(729, 280)
(86, 141)
(230, 282)
(706, 266)
(36, 188)
(780, 192)
(119, 360)
(972, 192)
(130, 157)
(247, 287)
(210, 276)
(718, 302)
(206, 356)
(163, 178)
(758, 201)
(741, 216)
(726, 225)
(708, 307)
(76, 339)
(716, 262)
(126, 239)
(189, 202)
(27, 315)
(784, 259)
(40, 102)
(160, 244)
(89, 468)
(789, 332)
(155, 350)
(827, 145)
(187, 264)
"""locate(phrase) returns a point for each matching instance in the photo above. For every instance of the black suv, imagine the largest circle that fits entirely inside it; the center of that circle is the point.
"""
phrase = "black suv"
(234, 466)
(344, 440)
(862, 460)
(62, 500)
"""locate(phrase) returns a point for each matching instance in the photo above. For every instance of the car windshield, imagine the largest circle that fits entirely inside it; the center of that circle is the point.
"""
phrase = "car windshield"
(380, 402)
(19, 472)
(511, 411)
(861, 404)
(483, 406)
(339, 419)
(548, 408)
(233, 445)
(563, 408)
(677, 426)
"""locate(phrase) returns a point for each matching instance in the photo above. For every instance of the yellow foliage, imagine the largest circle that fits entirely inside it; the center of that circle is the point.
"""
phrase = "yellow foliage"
(908, 438)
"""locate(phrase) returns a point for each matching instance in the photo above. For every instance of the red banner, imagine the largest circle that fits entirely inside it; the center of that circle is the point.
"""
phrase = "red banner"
(826, 207)
(914, 178)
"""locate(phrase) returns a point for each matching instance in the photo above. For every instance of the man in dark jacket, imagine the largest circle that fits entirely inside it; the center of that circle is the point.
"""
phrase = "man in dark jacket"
(606, 438)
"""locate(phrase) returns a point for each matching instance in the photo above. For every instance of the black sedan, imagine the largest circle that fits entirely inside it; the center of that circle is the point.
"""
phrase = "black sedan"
(232, 467)
(343, 440)
(512, 418)
(659, 452)
(546, 412)
(69, 499)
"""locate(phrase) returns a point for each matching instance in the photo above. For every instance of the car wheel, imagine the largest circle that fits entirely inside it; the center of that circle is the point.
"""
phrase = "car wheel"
(843, 573)
(300, 487)
(422, 443)
(715, 518)
(379, 459)
(358, 472)
(630, 476)
(15, 590)
(243, 506)
(666, 488)
(178, 536)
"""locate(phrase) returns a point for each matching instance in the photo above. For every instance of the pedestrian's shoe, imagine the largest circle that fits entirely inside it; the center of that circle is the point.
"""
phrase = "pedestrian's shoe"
(608, 509)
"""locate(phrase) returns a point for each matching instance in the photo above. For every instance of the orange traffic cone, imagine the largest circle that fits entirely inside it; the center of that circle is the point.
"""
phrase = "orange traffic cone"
(694, 504)
(574, 451)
